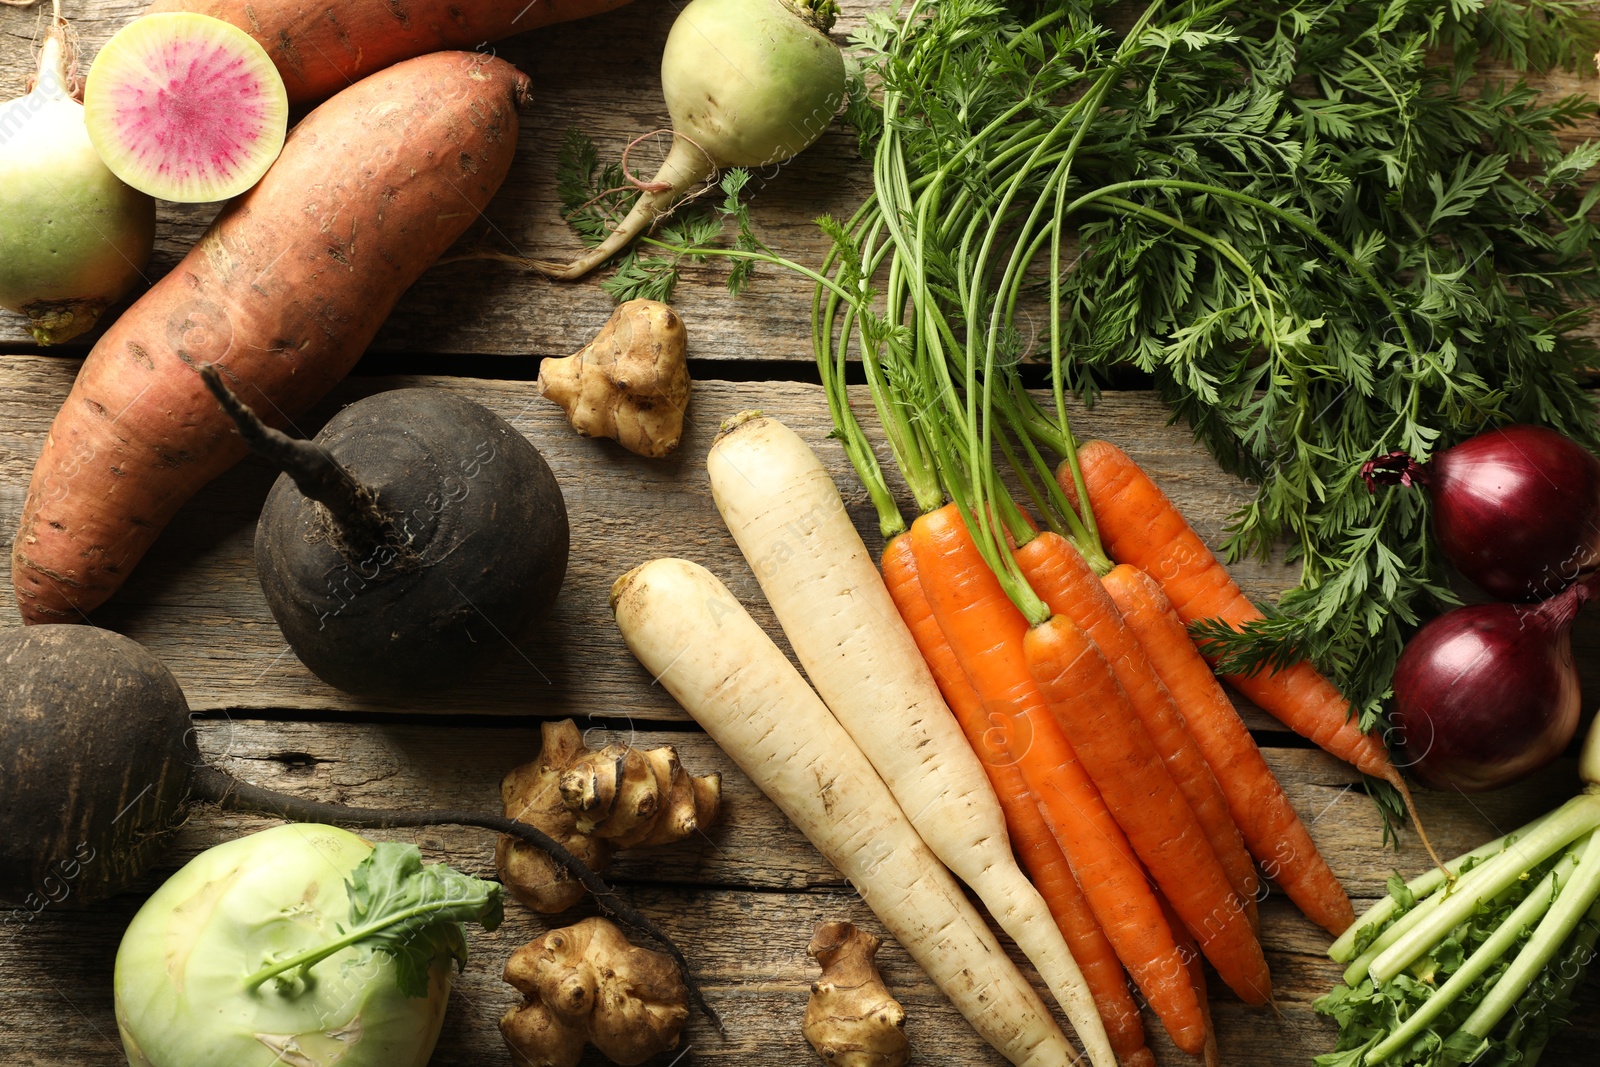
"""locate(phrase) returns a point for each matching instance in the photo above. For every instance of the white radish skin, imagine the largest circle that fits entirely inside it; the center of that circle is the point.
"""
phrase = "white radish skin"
(702, 646)
(73, 238)
(748, 83)
(785, 512)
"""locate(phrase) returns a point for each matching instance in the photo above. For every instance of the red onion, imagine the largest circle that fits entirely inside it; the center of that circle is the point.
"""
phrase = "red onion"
(1516, 510)
(1487, 694)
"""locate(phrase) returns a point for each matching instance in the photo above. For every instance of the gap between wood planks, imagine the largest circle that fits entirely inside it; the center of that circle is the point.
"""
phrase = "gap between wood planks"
(526, 368)
(492, 721)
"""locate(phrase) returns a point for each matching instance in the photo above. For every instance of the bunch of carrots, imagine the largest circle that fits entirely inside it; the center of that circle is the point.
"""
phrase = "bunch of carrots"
(1057, 633)
(1132, 791)
(1000, 664)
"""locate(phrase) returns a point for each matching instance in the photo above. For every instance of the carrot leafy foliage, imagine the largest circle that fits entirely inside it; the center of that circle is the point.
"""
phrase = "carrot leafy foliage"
(1324, 230)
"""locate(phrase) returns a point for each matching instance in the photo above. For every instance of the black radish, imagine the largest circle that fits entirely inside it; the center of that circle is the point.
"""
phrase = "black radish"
(410, 543)
(101, 766)
(98, 755)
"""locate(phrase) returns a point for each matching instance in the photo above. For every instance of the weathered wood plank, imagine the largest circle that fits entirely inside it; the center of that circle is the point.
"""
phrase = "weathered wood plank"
(742, 901)
(752, 846)
(195, 602)
(601, 76)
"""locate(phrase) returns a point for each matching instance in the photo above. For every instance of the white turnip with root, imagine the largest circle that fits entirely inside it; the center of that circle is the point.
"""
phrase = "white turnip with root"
(698, 641)
(73, 238)
(785, 512)
(748, 83)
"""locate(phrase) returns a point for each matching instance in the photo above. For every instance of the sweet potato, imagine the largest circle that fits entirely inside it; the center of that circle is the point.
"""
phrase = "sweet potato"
(320, 47)
(284, 292)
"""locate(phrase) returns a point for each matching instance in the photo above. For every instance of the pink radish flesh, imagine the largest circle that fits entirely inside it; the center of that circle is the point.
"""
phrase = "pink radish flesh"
(189, 116)
(185, 107)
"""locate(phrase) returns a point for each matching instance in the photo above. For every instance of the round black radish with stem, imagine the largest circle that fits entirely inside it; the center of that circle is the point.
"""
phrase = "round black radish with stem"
(410, 543)
(102, 764)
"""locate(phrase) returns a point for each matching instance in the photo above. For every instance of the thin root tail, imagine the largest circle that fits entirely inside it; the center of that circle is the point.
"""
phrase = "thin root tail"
(1392, 776)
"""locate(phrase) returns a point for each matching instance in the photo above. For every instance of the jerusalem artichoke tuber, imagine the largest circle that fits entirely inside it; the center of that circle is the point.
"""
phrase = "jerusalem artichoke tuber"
(630, 383)
(595, 802)
(851, 1020)
(587, 983)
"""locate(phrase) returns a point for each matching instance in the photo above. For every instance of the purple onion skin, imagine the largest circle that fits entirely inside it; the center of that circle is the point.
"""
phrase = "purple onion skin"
(1487, 694)
(1517, 510)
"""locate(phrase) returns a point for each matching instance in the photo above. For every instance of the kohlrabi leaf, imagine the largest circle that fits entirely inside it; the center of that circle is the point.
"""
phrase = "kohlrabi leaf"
(414, 912)
(238, 981)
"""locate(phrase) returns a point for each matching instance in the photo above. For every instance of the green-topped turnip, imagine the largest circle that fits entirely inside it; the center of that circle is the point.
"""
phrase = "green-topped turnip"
(748, 83)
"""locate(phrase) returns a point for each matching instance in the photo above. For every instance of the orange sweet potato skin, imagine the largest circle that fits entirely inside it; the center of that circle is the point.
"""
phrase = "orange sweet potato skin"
(320, 46)
(284, 292)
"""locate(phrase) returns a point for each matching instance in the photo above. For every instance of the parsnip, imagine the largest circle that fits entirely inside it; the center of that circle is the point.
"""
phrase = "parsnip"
(785, 512)
(702, 646)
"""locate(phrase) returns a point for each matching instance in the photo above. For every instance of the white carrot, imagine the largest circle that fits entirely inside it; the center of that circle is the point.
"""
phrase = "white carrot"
(701, 645)
(784, 510)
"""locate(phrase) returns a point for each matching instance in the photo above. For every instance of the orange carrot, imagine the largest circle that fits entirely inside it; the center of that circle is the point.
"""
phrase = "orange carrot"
(1116, 751)
(1139, 525)
(1271, 828)
(1210, 1057)
(1069, 587)
(1036, 848)
(986, 631)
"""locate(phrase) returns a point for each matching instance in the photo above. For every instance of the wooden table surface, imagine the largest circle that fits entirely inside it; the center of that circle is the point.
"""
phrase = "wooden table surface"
(743, 898)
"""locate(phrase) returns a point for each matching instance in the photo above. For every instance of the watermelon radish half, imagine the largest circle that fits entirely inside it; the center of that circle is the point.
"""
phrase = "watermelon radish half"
(185, 107)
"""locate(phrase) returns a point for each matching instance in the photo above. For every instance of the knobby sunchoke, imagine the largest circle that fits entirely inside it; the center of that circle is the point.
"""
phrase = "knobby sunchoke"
(851, 1020)
(587, 983)
(631, 383)
(595, 802)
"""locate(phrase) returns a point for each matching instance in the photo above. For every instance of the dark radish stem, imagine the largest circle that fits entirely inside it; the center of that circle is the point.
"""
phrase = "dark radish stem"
(1486, 694)
(361, 524)
(230, 794)
(1516, 510)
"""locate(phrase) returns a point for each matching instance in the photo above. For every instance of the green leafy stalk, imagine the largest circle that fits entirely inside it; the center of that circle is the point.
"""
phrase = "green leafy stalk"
(1403, 896)
(1513, 928)
(1558, 923)
(412, 912)
(1442, 963)
(1579, 816)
